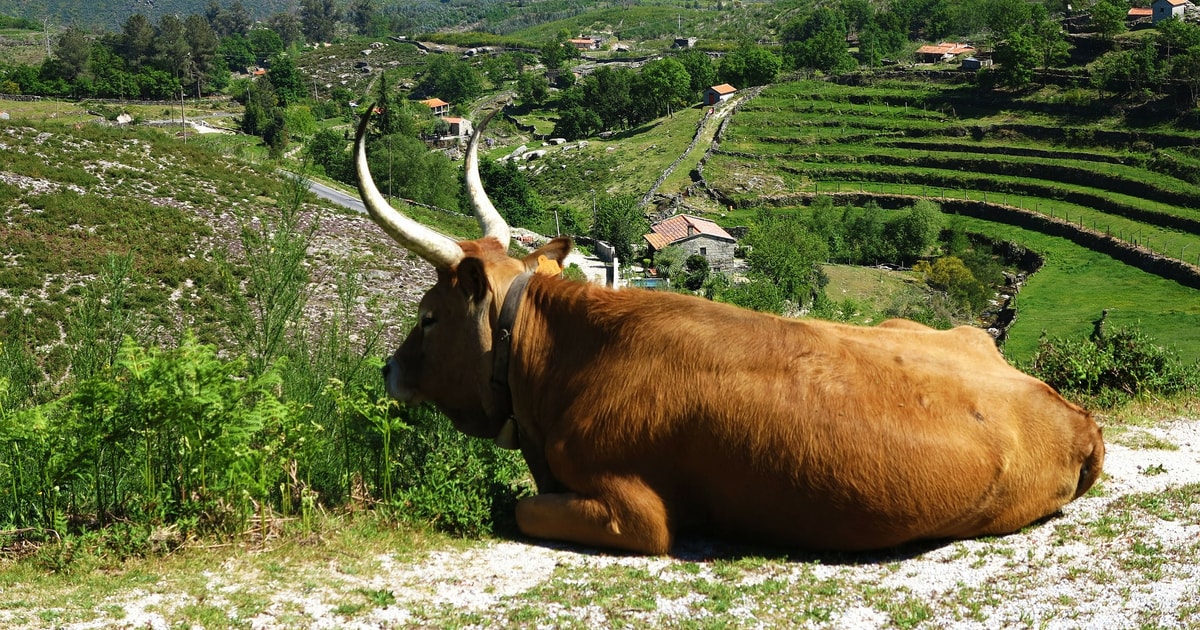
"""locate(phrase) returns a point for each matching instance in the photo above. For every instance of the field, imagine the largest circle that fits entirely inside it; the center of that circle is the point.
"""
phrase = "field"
(893, 140)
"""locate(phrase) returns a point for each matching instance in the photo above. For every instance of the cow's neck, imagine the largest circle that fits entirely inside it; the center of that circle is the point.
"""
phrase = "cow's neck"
(502, 353)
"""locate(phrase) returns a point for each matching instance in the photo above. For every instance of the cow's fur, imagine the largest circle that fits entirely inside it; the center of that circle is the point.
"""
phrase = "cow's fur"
(642, 414)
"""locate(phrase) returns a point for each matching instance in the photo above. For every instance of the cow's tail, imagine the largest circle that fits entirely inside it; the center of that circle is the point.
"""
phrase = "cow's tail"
(1093, 461)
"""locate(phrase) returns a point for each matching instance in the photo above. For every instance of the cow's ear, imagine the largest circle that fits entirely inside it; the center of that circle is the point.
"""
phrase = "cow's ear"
(472, 278)
(549, 258)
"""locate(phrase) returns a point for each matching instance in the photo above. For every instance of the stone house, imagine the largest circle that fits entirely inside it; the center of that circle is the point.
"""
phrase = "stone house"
(695, 236)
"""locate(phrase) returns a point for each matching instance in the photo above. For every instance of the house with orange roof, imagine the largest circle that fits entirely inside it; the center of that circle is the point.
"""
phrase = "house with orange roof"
(437, 106)
(718, 93)
(945, 51)
(695, 236)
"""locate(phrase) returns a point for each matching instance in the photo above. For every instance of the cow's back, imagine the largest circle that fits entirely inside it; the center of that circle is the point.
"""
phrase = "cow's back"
(806, 432)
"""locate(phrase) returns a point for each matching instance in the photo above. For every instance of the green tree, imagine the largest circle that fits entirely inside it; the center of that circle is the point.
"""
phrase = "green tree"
(286, 79)
(450, 80)
(136, 39)
(608, 93)
(697, 271)
(1108, 17)
(361, 13)
(265, 44)
(787, 253)
(202, 59)
(228, 22)
(71, 52)
(171, 48)
(576, 122)
(663, 86)
(759, 293)
(510, 192)
(949, 274)
(749, 65)
(533, 88)
(818, 41)
(916, 230)
(318, 19)
(403, 167)
(1048, 38)
(882, 37)
(287, 27)
(1177, 36)
(236, 52)
(702, 72)
(328, 150)
(1015, 60)
(620, 223)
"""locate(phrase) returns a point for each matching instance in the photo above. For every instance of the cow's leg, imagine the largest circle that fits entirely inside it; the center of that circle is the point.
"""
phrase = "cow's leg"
(634, 519)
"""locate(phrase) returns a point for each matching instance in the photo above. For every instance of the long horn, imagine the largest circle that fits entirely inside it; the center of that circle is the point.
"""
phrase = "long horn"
(437, 248)
(489, 219)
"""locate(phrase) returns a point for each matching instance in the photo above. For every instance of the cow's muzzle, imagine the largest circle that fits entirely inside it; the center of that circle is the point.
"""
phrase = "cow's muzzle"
(392, 377)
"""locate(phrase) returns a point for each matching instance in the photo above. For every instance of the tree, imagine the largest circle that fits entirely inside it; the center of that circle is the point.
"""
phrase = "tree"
(575, 122)
(287, 27)
(619, 222)
(785, 252)
(403, 167)
(450, 80)
(760, 293)
(749, 65)
(702, 72)
(1108, 17)
(1048, 38)
(202, 44)
(286, 80)
(882, 37)
(669, 260)
(533, 88)
(697, 269)
(72, 52)
(818, 41)
(916, 230)
(236, 52)
(1015, 59)
(327, 149)
(136, 41)
(361, 14)
(171, 48)
(1175, 35)
(265, 44)
(318, 19)
(663, 86)
(227, 22)
(1006, 18)
(510, 192)
(608, 93)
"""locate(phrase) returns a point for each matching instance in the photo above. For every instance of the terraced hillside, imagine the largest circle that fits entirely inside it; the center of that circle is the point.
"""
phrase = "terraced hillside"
(1115, 214)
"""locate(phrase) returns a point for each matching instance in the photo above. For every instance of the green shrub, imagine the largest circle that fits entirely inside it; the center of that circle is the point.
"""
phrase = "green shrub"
(1112, 366)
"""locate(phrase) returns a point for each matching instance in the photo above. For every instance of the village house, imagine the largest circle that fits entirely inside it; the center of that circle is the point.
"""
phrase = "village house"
(1166, 9)
(718, 93)
(586, 42)
(437, 106)
(458, 127)
(695, 236)
(945, 51)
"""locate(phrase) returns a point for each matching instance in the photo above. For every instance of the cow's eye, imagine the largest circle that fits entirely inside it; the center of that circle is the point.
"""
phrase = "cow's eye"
(428, 320)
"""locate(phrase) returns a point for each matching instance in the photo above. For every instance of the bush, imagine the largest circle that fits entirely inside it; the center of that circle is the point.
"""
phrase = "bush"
(1110, 367)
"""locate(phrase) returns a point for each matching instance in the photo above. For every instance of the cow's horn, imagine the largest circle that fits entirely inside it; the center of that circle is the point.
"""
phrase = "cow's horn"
(437, 248)
(489, 219)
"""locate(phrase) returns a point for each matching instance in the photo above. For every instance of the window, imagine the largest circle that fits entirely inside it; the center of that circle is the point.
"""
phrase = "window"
(704, 251)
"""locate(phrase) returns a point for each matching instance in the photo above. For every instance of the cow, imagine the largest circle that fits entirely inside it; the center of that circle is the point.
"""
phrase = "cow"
(645, 414)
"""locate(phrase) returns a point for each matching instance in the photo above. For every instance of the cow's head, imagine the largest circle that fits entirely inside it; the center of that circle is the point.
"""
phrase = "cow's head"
(447, 358)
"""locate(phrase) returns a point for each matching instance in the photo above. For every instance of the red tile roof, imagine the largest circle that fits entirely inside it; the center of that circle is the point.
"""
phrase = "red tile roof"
(1140, 12)
(681, 227)
(945, 48)
(724, 88)
(434, 102)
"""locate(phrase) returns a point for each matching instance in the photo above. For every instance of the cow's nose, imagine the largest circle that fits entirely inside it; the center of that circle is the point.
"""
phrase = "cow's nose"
(387, 367)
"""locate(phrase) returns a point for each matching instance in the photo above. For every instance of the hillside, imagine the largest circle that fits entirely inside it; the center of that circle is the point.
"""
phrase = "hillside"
(75, 196)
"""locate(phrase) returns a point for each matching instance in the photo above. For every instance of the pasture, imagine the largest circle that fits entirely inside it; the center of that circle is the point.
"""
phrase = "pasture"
(943, 141)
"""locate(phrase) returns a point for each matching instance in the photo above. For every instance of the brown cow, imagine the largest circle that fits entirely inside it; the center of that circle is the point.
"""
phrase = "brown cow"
(641, 414)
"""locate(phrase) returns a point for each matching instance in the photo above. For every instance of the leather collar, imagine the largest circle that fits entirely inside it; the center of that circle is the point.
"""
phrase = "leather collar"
(501, 352)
